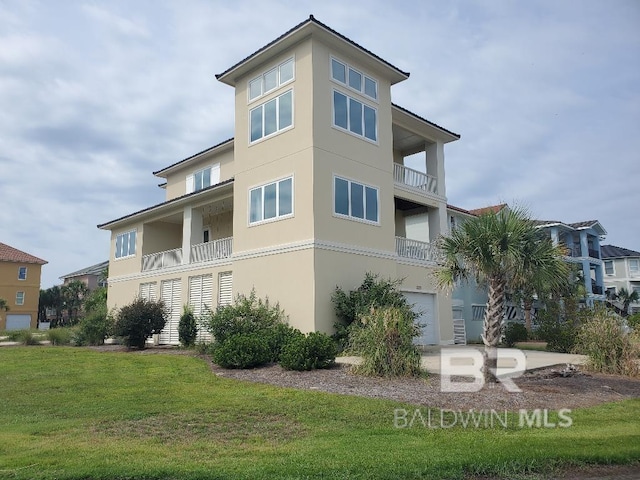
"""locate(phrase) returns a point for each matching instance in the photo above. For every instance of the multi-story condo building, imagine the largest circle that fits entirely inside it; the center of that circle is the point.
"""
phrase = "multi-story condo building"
(19, 287)
(621, 270)
(312, 193)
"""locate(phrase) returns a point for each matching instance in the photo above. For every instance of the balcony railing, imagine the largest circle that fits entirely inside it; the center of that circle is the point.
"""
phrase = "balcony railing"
(576, 252)
(156, 261)
(417, 250)
(214, 250)
(413, 178)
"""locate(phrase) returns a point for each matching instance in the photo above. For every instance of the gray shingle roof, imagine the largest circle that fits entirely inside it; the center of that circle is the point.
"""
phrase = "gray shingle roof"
(611, 251)
(96, 269)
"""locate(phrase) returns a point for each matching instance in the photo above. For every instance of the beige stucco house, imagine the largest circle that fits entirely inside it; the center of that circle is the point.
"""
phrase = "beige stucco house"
(311, 193)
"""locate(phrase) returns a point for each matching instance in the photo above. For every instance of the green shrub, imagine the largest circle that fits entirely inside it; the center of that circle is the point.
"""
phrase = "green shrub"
(316, 350)
(139, 320)
(60, 336)
(608, 347)
(25, 337)
(188, 327)
(514, 332)
(634, 321)
(245, 316)
(95, 327)
(385, 342)
(277, 337)
(242, 351)
(374, 292)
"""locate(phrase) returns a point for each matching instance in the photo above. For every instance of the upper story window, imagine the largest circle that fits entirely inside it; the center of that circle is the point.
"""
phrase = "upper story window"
(271, 80)
(634, 266)
(19, 298)
(354, 116)
(126, 244)
(355, 200)
(203, 178)
(608, 267)
(352, 78)
(271, 201)
(271, 117)
(22, 273)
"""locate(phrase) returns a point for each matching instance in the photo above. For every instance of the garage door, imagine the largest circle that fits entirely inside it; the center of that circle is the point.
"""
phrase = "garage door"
(17, 321)
(424, 305)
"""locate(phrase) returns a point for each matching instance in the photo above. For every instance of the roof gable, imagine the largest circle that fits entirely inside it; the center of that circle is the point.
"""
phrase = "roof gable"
(10, 254)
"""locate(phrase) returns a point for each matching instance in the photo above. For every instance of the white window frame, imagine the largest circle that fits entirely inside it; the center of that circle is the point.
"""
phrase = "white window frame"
(346, 84)
(135, 247)
(279, 82)
(20, 270)
(613, 268)
(634, 271)
(278, 129)
(214, 178)
(348, 129)
(364, 201)
(278, 216)
(20, 298)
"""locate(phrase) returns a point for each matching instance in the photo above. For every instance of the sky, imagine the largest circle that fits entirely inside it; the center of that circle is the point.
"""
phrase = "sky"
(96, 95)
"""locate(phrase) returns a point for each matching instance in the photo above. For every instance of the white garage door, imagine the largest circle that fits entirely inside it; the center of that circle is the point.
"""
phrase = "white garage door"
(424, 305)
(17, 321)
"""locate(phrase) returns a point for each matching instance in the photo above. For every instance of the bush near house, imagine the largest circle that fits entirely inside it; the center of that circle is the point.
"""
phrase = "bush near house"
(514, 332)
(634, 321)
(139, 320)
(94, 328)
(243, 350)
(313, 351)
(385, 343)
(609, 348)
(374, 292)
(60, 336)
(187, 327)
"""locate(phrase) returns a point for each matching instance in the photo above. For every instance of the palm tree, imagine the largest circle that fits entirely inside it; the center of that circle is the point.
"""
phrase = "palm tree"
(627, 298)
(4, 305)
(501, 249)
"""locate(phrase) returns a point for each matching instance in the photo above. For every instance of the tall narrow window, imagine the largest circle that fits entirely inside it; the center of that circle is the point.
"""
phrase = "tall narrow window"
(19, 298)
(22, 273)
(271, 201)
(608, 267)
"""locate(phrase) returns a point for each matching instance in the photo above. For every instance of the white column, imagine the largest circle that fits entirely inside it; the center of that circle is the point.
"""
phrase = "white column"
(191, 232)
(435, 165)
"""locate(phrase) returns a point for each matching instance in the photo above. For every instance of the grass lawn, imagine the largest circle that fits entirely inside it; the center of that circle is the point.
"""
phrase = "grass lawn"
(75, 413)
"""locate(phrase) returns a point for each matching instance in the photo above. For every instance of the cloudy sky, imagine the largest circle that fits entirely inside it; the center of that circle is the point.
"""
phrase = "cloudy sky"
(95, 95)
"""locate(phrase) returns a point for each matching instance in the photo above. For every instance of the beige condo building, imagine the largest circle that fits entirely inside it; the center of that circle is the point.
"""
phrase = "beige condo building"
(310, 194)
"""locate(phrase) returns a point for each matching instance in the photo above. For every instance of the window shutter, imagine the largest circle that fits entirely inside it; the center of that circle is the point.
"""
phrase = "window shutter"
(201, 299)
(170, 294)
(215, 174)
(225, 289)
(190, 184)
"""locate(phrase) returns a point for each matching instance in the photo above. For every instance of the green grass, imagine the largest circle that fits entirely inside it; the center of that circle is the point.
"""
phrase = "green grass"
(73, 413)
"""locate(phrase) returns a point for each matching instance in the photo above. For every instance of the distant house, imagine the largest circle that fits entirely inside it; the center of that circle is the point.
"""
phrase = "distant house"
(621, 270)
(93, 276)
(20, 287)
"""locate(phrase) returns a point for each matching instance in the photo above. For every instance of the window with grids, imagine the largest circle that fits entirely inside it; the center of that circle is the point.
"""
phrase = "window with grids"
(19, 298)
(271, 201)
(126, 244)
(271, 117)
(354, 116)
(271, 79)
(355, 200)
(354, 79)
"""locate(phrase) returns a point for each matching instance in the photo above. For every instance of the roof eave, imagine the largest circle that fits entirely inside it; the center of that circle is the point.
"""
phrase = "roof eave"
(442, 133)
(220, 147)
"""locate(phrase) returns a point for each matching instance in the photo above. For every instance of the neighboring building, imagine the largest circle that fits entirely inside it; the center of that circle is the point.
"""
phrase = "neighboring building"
(582, 240)
(311, 194)
(621, 270)
(20, 287)
(93, 276)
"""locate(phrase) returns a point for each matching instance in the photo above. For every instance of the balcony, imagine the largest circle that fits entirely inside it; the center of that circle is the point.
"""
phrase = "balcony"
(417, 250)
(200, 253)
(214, 250)
(413, 178)
(157, 261)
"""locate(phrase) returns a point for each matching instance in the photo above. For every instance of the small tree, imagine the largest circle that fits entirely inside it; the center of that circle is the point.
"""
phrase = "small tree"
(627, 298)
(139, 320)
(188, 327)
(4, 305)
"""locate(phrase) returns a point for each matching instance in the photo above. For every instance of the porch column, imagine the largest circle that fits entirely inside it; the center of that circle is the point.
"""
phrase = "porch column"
(191, 231)
(554, 236)
(435, 165)
(600, 276)
(584, 244)
(586, 272)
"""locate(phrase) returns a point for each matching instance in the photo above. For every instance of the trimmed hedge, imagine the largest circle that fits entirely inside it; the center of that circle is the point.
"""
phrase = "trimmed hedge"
(314, 351)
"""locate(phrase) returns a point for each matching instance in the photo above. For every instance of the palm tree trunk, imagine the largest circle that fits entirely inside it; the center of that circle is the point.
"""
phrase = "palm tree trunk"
(493, 317)
(528, 304)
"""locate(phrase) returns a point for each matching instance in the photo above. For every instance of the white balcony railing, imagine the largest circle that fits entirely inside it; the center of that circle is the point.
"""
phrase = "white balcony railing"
(413, 178)
(214, 250)
(417, 250)
(156, 261)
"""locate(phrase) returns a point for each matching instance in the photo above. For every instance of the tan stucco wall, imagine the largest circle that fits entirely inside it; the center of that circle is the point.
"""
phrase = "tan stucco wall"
(220, 226)
(161, 236)
(176, 181)
(10, 285)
